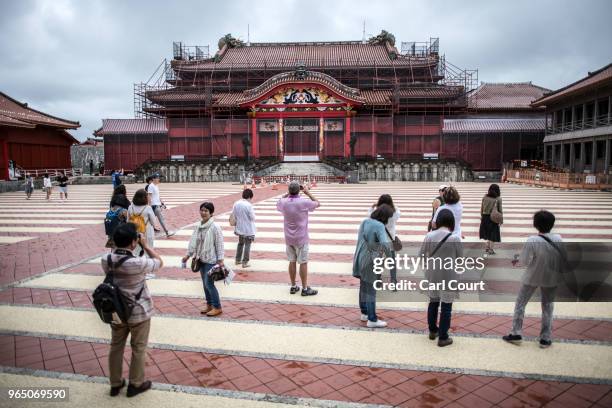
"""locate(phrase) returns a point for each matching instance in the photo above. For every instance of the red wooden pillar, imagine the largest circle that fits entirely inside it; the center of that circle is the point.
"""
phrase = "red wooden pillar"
(5, 159)
(347, 136)
(254, 139)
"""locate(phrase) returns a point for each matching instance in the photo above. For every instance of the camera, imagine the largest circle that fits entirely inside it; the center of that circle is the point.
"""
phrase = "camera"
(301, 187)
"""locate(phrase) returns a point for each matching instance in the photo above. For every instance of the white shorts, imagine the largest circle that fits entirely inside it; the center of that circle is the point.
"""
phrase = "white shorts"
(297, 253)
(63, 189)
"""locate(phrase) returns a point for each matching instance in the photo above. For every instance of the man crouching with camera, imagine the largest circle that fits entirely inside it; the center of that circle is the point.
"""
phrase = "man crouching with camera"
(129, 276)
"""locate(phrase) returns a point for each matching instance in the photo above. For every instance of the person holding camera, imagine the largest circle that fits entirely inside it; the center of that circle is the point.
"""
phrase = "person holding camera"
(295, 211)
(206, 246)
(129, 275)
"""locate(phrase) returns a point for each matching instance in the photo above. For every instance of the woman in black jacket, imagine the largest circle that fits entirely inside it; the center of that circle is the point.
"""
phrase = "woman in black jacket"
(119, 198)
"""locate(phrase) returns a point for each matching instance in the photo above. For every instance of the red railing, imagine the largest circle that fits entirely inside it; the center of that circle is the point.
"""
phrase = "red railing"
(301, 179)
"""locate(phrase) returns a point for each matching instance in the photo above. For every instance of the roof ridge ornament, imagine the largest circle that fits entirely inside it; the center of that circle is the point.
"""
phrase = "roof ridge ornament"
(300, 72)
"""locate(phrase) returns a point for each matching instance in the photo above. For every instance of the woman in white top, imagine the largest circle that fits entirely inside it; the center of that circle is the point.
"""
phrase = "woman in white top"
(140, 208)
(452, 203)
(47, 186)
(391, 223)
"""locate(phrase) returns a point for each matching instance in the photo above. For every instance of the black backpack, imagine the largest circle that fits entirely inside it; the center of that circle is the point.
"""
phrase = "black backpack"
(108, 298)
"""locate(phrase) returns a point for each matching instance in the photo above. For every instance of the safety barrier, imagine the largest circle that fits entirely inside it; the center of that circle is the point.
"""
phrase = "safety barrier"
(301, 179)
(568, 181)
(53, 172)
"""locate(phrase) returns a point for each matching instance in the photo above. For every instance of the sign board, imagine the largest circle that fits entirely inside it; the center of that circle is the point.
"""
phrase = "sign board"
(523, 163)
(177, 157)
(591, 179)
(430, 156)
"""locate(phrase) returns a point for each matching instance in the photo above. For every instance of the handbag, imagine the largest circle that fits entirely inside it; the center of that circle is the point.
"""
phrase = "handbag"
(397, 243)
(218, 272)
(232, 220)
(496, 216)
(195, 262)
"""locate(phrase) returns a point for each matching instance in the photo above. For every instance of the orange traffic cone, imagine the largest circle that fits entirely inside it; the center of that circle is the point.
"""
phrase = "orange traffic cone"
(253, 185)
(314, 184)
(274, 186)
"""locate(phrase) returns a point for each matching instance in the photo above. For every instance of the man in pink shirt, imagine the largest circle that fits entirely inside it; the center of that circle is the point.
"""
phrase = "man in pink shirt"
(295, 210)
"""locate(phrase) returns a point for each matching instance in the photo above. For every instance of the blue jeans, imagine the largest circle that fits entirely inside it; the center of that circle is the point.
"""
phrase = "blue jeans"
(367, 300)
(210, 291)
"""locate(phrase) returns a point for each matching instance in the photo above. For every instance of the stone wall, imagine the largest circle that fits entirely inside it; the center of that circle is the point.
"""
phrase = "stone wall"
(413, 171)
(190, 172)
(82, 154)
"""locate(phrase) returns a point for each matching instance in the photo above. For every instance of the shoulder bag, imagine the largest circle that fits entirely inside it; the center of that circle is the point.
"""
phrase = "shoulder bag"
(397, 243)
(195, 262)
(496, 216)
(561, 254)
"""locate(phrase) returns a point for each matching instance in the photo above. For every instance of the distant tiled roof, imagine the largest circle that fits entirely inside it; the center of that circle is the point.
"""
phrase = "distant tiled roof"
(377, 98)
(132, 126)
(317, 54)
(431, 91)
(17, 114)
(592, 80)
(493, 125)
(505, 96)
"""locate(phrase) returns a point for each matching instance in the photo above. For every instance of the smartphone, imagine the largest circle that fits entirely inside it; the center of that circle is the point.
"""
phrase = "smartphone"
(301, 187)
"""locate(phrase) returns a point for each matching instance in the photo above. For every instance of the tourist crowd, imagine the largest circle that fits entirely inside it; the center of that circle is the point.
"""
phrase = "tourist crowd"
(131, 232)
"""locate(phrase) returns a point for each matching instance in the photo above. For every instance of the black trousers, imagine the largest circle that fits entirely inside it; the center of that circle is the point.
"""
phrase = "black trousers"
(445, 318)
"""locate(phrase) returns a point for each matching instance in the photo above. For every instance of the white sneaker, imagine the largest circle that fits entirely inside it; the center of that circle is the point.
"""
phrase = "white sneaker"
(377, 324)
(149, 276)
(364, 317)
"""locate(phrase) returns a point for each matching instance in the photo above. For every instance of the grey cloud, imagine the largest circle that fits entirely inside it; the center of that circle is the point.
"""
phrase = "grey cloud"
(79, 59)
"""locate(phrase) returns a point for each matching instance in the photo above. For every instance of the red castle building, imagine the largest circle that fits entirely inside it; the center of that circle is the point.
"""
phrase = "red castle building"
(31, 139)
(308, 101)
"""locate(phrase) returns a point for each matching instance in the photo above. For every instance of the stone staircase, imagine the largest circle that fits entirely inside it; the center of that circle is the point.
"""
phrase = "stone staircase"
(301, 169)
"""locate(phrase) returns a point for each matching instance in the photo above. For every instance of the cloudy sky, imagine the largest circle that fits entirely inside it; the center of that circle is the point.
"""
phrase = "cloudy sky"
(79, 59)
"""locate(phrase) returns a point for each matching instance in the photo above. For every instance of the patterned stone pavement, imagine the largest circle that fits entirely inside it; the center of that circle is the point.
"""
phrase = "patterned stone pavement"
(298, 351)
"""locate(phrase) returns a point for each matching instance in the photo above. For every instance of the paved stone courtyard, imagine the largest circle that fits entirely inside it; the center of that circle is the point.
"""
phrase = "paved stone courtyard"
(271, 348)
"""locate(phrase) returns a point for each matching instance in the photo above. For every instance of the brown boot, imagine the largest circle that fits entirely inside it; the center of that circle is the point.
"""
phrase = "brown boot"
(214, 312)
(207, 309)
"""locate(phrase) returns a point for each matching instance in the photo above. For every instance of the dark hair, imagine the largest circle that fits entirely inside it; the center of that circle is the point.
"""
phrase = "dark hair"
(247, 193)
(451, 195)
(46, 175)
(140, 197)
(382, 213)
(446, 219)
(494, 191)
(209, 206)
(125, 234)
(543, 221)
(385, 199)
(120, 189)
(148, 179)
